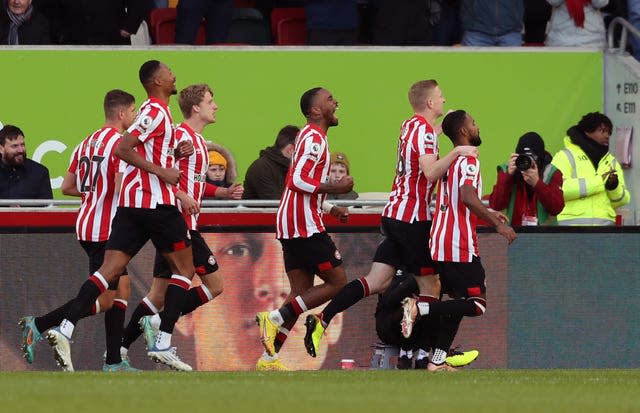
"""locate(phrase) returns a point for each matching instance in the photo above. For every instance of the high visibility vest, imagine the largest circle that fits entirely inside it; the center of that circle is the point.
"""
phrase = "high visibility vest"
(587, 202)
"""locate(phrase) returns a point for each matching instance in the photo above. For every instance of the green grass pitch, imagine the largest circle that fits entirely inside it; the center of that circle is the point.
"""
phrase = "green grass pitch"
(328, 391)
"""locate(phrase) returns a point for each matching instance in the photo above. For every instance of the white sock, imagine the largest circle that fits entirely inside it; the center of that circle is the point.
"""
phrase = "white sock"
(267, 357)
(66, 328)
(439, 356)
(408, 353)
(276, 317)
(163, 341)
(123, 352)
(422, 354)
(155, 321)
(423, 307)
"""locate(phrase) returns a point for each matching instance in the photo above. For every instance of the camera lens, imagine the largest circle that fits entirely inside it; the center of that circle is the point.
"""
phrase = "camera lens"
(523, 162)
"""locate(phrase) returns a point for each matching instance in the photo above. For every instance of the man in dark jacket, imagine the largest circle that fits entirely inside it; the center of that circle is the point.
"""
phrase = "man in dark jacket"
(21, 24)
(100, 22)
(20, 178)
(266, 175)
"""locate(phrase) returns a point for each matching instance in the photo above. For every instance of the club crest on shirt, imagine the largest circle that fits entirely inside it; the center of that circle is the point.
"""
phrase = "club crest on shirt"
(211, 260)
(337, 255)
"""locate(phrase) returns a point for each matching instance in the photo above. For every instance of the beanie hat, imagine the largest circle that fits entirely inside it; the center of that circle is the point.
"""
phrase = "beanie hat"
(340, 157)
(531, 142)
(216, 158)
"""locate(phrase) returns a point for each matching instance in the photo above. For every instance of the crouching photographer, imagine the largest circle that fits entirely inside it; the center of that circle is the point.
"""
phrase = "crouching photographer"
(528, 187)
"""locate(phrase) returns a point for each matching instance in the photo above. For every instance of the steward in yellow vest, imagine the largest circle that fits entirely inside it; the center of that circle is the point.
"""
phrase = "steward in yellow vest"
(593, 182)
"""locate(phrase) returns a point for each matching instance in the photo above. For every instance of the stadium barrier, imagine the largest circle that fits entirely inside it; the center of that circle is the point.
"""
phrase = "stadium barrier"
(557, 297)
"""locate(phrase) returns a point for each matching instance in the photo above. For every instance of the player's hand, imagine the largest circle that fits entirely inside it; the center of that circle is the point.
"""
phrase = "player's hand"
(235, 191)
(507, 232)
(531, 176)
(499, 215)
(188, 204)
(341, 213)
(511, 164)
(170, 175)
(467, 150)
(184, 148)
(344, 185)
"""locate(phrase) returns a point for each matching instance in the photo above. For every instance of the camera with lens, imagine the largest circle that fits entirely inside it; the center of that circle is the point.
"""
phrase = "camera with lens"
(525, 160)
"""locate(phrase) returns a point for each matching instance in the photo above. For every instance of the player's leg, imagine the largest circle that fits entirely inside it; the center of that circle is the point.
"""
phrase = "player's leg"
(387, 258)
(205, 267)
(150, 305)
(170, 236)
(116, 356)
(34, 327)
(465, 283)
(299, 282)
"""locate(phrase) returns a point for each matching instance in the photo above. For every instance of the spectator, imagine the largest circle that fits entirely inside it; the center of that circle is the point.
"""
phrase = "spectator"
(404, 23)
(593, 181)
(20, 178)
(577, 23)
(332, 22)
(99, 22)
(339, 168)
(536, 17)
(21, 24)
(492, 22)
(216, 13)
(266, 176)
(445, 22)
(528, 186)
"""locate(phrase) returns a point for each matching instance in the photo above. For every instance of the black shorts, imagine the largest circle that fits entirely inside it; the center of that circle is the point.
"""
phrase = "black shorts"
(95, 252)
(405, 246)
(131, 228)
(315, 254)
(462, 279)
(203, 259)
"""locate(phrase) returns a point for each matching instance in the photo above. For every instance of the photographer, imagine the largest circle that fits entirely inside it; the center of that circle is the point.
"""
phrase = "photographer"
(528, 186)
(594, 184)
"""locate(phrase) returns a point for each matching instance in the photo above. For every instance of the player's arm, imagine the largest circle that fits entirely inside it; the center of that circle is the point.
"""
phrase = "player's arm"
(338, 212)
(302, 181)
(235, 191)
(68, 186)
(187, 203)
(469, 196)
(126, 151)
(434, 168)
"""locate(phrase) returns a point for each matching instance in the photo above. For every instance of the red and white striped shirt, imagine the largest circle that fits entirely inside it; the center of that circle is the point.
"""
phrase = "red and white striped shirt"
(94, 164)
(154, 128)
(411, 192)
(453, 232)
(194, 170)
(300, 212)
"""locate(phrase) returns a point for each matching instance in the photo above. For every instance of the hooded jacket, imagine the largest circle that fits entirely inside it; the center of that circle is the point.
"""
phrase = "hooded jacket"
(266, 176)
(587, 201)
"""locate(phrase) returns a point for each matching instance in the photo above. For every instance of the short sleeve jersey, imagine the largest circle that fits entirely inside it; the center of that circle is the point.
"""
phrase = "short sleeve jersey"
(411, 192)
(154, 129)
(453, 232)
(300, 211)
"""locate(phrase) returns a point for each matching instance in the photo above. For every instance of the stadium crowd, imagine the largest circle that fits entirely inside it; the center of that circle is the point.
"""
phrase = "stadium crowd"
(313, 22)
